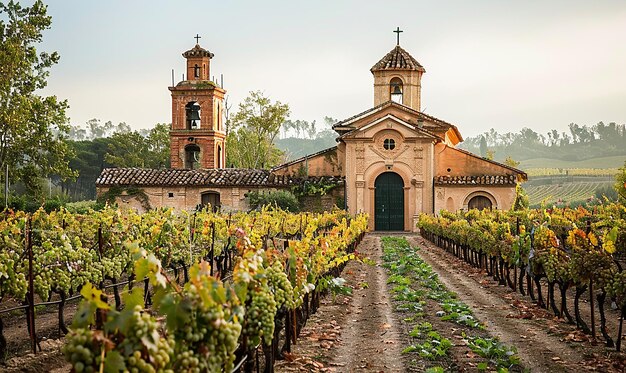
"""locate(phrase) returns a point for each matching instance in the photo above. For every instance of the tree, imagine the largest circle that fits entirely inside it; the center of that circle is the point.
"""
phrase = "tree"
(132, 149)
(483, 146)
(159, 146)
(490, 154)
(521, 199)
(511, 162)
(620, 183)
(32, 127)
(253, 131)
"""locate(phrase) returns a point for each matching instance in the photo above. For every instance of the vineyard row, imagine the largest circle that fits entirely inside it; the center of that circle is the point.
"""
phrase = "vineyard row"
(521, 248)
(247, 278)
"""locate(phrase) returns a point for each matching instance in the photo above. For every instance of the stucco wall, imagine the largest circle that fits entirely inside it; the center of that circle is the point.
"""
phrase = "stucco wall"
(453, 162)
(187, 198)
(329, 163)
(456, 198)
(411, 158)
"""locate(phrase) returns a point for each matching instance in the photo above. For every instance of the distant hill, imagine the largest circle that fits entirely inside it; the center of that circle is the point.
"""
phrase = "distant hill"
(598, 146)
(296, 148)
(616, 161)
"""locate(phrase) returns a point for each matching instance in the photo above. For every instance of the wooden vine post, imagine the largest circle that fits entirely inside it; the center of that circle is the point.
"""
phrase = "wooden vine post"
(30, 297)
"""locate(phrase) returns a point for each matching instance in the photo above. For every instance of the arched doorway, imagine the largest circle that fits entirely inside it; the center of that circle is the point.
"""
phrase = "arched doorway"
(211, 198)
(480, 203)
(389, 202)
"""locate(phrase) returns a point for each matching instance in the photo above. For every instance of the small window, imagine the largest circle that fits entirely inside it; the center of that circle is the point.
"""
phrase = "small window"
(196, 71)
(170, 195)
(389, 144)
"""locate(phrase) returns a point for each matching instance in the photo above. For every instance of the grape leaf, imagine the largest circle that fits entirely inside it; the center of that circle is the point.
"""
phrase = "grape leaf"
(93, 295)
(85, 315)
(142, 268)
(176, 310)
(134, 298)
(114, 362)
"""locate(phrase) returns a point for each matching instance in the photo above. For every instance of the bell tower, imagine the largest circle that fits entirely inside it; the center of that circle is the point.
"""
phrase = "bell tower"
(197, 137)
(398, 78)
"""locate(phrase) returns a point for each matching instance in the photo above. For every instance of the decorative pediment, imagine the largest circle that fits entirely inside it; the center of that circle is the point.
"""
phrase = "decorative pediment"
(413, 118)
(390, 121)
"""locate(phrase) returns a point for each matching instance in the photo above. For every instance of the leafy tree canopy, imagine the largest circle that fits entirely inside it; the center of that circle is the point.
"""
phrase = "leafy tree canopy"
(250, 143)
(132, 149)
(32, 127)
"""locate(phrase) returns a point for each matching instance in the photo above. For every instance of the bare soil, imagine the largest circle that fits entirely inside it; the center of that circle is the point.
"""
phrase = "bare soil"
(357, 333)
(362, 333)
(544, 342)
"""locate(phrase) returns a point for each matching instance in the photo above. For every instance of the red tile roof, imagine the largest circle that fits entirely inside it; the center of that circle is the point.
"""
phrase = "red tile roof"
(398, 59)
(198, 51)
(203, 177)
(505, 180)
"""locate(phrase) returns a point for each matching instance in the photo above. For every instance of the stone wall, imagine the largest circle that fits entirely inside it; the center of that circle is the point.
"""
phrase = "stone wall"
(454, 198)
(186, 198)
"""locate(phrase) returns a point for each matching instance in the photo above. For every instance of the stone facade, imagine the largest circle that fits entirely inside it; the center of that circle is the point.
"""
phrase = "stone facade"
(187, 197)
(392, 161)
(395, 137)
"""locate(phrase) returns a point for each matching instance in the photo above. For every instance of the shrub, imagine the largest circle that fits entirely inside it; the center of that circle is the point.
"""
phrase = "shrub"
(281, 198)
(83, 207)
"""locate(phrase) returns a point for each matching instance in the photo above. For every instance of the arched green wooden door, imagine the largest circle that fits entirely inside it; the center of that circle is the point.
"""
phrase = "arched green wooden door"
(389, 202)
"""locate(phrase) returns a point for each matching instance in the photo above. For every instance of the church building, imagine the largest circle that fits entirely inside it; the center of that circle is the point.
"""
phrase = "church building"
(394, 161)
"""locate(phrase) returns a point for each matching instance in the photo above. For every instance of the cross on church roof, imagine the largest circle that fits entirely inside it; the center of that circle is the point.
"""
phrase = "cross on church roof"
(197, 37)
(398, 31)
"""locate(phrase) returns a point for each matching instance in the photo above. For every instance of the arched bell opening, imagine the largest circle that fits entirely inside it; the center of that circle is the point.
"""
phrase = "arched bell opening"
(192, 157)
(396, 90)
(192, 115)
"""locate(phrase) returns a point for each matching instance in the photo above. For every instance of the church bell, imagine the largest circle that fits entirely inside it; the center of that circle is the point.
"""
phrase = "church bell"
(194, 115)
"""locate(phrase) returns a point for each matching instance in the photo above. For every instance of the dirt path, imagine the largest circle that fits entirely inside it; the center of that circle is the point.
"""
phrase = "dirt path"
(540, 339)
(356, 333)
(370, 342)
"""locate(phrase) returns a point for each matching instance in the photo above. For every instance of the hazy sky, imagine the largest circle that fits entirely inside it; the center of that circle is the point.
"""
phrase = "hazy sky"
(501, 64)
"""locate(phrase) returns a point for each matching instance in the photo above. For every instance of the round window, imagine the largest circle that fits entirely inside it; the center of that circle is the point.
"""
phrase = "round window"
(389, 144)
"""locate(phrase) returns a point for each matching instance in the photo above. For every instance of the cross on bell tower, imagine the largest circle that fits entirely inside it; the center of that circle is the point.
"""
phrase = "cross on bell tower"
(398, 77)
(197, 137)
(398, 31)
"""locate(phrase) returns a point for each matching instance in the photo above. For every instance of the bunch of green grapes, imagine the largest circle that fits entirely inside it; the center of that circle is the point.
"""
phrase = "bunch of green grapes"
(281, 286)
(81, 350)
(155, 356)
(207, 340)
(114, 266)
(139, 346)
(616, 288)
(12, 279)
(260, 312)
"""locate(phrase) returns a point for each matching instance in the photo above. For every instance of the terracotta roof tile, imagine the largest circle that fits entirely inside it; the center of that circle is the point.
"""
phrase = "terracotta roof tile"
(397, 59)
(506, 180)
(208, 177)
(197, 51)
